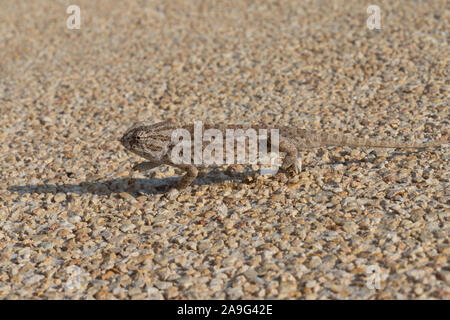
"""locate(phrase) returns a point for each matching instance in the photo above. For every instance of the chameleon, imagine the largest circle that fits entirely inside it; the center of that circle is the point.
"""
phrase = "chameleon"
(154, 142)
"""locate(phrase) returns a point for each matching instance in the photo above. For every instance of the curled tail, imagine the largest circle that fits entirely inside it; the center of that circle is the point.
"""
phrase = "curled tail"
(346, 140)
(305, 139)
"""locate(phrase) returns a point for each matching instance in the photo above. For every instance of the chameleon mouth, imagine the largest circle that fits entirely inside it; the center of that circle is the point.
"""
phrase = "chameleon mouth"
(123, 141)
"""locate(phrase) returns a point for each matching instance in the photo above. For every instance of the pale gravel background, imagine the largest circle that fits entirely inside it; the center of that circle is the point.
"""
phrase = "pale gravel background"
(72, 226)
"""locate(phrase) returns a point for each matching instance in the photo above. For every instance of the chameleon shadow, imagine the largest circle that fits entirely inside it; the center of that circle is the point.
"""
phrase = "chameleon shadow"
(104, 188)
(135, 186)
(146, 186)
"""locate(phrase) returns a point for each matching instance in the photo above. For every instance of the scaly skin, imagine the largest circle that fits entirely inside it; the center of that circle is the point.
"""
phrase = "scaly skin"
(154, 143)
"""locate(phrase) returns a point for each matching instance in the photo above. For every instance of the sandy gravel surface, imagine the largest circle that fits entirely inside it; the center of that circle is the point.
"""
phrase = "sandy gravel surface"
(73, 225)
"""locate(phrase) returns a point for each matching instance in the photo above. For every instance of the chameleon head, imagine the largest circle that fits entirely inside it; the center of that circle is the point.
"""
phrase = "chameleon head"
(132, 140)
(144, 142)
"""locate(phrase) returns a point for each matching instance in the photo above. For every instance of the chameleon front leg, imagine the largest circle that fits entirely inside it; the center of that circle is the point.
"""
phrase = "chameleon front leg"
(189, 176)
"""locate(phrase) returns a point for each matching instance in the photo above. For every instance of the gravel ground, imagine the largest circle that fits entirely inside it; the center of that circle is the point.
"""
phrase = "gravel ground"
(73, 225)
